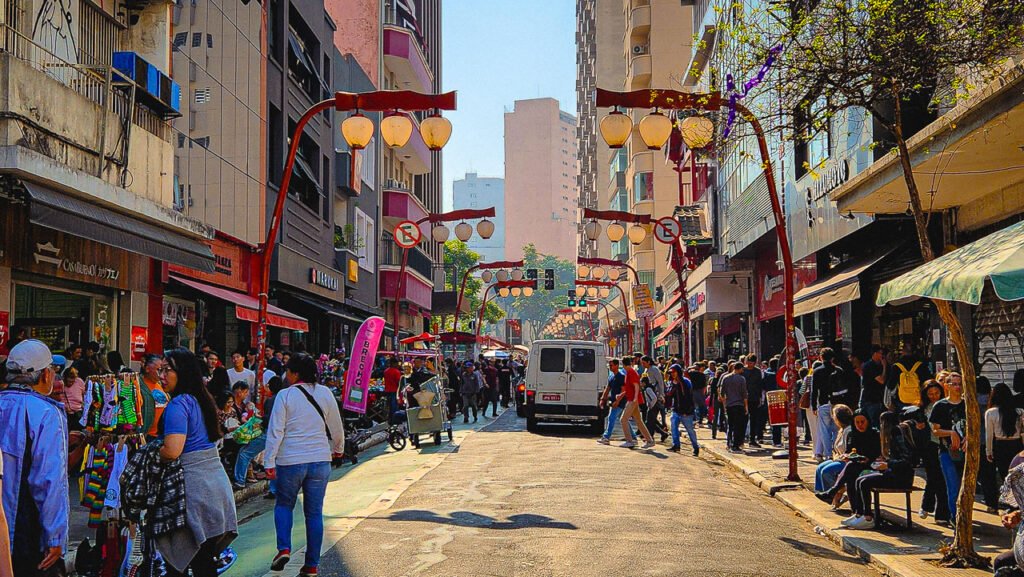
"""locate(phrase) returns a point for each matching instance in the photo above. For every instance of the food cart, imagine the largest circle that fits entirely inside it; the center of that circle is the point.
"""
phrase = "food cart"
(427, 403)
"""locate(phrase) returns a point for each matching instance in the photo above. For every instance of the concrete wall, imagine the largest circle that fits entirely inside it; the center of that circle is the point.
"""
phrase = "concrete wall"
(540, 179)
(358, 32)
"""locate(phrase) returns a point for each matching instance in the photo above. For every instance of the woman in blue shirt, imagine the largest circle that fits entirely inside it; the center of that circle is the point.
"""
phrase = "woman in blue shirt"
(189, 430)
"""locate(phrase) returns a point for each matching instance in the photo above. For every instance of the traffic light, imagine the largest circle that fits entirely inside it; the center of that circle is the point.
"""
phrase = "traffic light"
(531, 274)
(659, 294)
(572, 302)
(549, 279)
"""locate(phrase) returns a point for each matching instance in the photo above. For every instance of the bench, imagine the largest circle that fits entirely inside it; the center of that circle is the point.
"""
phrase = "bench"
(876, 493)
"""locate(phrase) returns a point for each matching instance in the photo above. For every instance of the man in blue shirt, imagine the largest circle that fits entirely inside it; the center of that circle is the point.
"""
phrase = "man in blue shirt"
(33, 438)
(616, 380)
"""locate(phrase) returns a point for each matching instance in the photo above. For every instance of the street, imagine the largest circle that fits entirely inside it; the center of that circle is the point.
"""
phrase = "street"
(506, 502)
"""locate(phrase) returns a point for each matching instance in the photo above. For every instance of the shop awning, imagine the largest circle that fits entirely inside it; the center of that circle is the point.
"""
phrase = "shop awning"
(668, 331)
(247, 307)
(659, 317)
(70, 215)
(841, 287)
(960, 274)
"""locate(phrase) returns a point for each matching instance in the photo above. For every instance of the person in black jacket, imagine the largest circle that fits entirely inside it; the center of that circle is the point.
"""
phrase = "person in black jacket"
(844, 382)
(683, 409)
(821, 402)
(895, 470)
(755, 390)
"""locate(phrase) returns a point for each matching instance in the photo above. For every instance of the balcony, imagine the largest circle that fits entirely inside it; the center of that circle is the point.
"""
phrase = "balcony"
(399, 203)
(640, 19)
(403, 52)
(639, 71)
(70, 128)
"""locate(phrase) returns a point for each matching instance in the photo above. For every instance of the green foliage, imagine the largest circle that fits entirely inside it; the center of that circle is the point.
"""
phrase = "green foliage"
(458, 256)
(536, 309)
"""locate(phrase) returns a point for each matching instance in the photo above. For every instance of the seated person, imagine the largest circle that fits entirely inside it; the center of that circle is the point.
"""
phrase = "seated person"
(828, 471)
(892, 469)
(862, 447)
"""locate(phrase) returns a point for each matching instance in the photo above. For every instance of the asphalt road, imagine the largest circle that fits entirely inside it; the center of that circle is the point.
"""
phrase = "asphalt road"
(554, 504)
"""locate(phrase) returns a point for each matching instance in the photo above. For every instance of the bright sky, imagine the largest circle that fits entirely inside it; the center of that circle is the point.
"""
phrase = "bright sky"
(494, 53)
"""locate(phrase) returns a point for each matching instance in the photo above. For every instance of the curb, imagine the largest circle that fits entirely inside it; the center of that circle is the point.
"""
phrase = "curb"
(777, 490)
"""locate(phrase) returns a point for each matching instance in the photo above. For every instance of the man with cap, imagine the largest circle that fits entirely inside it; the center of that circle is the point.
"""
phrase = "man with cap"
(33, 436)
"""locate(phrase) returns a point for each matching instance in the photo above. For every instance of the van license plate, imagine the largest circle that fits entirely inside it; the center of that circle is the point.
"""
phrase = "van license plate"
(551, 397)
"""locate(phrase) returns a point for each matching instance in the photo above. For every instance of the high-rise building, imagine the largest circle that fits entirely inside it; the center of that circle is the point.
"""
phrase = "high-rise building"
(599, 64)
(411, 182)
(481, 192)
(540, 179)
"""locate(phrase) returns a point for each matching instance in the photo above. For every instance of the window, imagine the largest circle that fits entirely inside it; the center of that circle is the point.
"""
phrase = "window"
(583, 361)
(209, 40)
(204, 141)
(643, 186)
(202, 95)
(302, 56)
(197, 39)
(552, 360)
(366, 240)
(275, 151)
(180, 39)
(814, 143)
(181, 140)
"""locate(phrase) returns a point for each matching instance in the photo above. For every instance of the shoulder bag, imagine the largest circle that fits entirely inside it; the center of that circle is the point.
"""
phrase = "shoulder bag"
(319, 411)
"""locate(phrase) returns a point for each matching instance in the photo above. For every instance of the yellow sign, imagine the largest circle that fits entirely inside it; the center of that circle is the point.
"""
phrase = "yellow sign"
(642, 301)
(353, 270)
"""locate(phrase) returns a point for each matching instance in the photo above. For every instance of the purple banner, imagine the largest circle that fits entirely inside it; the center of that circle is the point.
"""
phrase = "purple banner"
(357, 378)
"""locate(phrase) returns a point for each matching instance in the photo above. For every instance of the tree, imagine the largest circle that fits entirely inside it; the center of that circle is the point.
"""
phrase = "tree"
(459, 257)
(536, 309)
(898, 63)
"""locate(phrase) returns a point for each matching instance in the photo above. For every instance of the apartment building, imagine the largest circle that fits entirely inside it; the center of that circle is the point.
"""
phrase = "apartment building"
(541, 179)
(475, 192)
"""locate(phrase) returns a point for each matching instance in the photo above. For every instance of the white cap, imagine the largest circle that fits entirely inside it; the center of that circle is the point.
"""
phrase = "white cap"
(29, 356)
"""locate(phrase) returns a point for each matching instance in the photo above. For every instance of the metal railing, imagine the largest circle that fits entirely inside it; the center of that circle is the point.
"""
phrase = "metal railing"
(94, 83)
(391, 255)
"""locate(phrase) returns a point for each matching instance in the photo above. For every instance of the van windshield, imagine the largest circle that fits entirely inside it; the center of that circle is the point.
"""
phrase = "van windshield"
(583, 361)
(552, 360)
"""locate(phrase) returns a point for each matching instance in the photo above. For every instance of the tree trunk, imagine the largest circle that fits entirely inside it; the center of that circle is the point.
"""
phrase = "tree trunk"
(960, 553)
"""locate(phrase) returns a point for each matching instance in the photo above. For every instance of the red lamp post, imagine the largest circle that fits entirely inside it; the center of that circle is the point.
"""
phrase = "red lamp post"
(435, 219)
(379, 101)
(622, 294)
(480, 266)
(619, 130)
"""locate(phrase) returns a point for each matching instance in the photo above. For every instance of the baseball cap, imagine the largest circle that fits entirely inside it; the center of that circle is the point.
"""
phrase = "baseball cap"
(59, 361)
(29, 356)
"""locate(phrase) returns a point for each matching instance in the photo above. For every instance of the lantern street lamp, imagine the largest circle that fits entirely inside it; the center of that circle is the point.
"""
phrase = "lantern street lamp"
(637, 234)
(486, 276)
(699, 132)
(503, 292)
(604, 292)
(613, 274)
(592, 230)
(463, 231)
(517, 274)
(503, 289)
(616, 128)
(597, 272)
(583, 271)
(580, 291)
(485, 229)
(502, 275)
(357, 131)
(440, 233)
(616, 231)
(528, 291)
(516, 291)
(396, 130)
(655, 128)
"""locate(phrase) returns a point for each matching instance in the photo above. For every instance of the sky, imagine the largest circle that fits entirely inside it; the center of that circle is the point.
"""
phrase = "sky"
(495, 52)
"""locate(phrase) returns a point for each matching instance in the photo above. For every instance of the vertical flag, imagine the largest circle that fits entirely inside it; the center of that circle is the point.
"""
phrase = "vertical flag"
(357, 378)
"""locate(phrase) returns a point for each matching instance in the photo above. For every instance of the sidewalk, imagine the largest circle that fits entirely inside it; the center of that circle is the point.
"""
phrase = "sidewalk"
(896, 552)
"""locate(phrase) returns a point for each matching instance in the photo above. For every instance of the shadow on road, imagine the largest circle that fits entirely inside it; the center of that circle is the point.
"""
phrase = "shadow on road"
(470, 519)
(818, 551)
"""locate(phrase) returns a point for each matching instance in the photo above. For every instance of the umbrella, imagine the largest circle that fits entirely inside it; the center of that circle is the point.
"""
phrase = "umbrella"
(960, 274)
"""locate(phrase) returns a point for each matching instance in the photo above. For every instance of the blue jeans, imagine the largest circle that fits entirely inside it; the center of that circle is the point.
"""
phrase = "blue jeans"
(246, 455)
(952, 472)
(312, 479)
(826, 474)
(826, 431)
(687, 421)
(613, 421)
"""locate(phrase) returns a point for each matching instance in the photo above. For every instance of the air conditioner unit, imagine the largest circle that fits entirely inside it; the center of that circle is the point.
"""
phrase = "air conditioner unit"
(640, 49)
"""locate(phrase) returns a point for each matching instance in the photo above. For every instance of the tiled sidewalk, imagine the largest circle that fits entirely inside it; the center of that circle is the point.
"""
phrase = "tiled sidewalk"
(897, 552)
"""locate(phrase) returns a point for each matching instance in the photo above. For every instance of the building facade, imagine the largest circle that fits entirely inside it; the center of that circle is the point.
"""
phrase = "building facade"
(481, 192)
(541, 179)
(87, 175)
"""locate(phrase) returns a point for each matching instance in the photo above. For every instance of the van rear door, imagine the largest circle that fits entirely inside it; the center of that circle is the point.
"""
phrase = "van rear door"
(584, 383)
(552, 381)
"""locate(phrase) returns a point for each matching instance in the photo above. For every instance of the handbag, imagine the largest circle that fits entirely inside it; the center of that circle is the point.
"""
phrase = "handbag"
(248, 431)
(805, 400)
(319, 411)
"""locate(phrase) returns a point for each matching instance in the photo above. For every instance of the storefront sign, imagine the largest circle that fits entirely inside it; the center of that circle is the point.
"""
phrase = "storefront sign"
(231, 262)
(353, 270)
(697, 300)
(140, 336)
(643, 302)
(829, 179)
(769, 296)
(322, 279)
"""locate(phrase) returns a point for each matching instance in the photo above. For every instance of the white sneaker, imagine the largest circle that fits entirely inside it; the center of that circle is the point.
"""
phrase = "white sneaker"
(863, 524)
(922, 514)
(849, 521)
(604, 441)
(648, 445)
(628, 445)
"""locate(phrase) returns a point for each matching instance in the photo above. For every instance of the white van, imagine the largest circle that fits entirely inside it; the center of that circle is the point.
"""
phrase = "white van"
(564, 381)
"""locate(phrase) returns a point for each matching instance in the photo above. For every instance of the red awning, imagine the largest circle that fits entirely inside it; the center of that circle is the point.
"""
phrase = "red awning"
(247, 307)
(664, 334)
(420, 338)
(671, 302)
(457, 338)
(493, 342)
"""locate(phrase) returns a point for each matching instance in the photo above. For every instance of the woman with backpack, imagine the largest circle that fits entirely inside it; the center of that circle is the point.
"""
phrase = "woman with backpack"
(894, 469)
(652, 407)
(305, 433)
(1002, 429)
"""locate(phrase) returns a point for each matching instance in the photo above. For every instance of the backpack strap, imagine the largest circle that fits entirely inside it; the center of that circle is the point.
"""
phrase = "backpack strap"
(319, 411)
(901, 367)
(914, 368)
